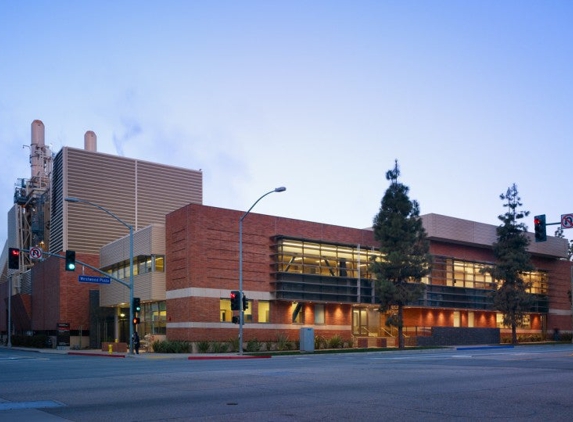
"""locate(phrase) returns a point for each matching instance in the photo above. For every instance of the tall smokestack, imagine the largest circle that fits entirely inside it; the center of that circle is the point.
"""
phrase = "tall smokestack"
(36, 149)
(90, 141)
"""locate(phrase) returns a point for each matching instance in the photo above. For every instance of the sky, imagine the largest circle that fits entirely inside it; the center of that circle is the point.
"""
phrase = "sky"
(318, 96)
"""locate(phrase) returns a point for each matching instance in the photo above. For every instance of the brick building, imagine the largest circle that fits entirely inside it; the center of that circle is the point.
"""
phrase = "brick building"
(304, 274)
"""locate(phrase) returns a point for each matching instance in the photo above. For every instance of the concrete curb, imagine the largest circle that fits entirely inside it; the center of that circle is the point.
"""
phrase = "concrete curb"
(227, 357)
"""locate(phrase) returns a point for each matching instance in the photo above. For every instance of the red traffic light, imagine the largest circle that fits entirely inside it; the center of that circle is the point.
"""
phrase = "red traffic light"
(540, 224)
(14, 258)
(235, 300)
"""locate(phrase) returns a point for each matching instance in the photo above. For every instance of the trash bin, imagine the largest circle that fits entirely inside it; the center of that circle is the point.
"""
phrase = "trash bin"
(307, 339)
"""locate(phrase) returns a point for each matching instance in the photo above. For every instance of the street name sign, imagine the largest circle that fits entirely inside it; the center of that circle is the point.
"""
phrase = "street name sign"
(94, 279)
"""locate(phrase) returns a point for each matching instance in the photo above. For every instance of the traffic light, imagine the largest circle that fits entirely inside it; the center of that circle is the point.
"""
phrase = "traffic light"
(236, 319)
(70, 260)
(136, 320)
(136, 304)
(245, 303)
(540, 228)
(235, 300)
(13, 258)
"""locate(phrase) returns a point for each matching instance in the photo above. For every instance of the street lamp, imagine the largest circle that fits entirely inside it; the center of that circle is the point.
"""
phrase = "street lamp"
(130, 227)
(241, 308)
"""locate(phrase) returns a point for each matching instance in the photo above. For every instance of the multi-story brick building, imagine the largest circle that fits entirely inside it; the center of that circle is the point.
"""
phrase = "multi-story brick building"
(304, 274)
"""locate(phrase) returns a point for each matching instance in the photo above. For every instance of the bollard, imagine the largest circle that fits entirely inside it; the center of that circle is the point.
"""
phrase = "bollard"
(109, 348)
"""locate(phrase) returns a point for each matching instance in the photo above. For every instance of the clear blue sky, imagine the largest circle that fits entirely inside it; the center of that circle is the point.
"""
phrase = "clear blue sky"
(318, 96)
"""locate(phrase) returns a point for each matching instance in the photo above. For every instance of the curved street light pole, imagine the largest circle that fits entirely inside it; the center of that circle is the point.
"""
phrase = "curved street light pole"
(130, 227)
(241, 309)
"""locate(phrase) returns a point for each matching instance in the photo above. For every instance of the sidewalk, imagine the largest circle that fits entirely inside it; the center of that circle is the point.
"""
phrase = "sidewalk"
(141, 355)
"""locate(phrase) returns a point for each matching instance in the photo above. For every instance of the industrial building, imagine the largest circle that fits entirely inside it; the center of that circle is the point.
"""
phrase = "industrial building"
(138, 193)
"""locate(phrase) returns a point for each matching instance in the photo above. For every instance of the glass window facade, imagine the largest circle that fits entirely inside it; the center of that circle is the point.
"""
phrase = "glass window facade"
(306, 270)
(455, 283)
(314, 271)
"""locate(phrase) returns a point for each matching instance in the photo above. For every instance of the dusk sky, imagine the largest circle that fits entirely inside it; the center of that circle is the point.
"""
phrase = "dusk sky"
(318, 96)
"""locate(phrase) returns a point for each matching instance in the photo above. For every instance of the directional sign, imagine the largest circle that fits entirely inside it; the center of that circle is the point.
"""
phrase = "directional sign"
(567, 221)
(94, 279)
(35, 253)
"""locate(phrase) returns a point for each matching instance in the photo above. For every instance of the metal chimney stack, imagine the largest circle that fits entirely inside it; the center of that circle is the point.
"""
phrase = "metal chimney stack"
(90, 141)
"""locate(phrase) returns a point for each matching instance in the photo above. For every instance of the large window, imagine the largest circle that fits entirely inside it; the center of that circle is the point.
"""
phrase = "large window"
(226, 314)
(141, 265)
(264, 311)
(225, 310)
(467, 274)
(456, 273)
(154, 317)
(307, 257)
(306, 270)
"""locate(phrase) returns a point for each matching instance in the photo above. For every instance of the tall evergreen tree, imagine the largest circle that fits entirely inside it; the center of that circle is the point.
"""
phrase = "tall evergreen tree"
(512, 261)
(405, 251)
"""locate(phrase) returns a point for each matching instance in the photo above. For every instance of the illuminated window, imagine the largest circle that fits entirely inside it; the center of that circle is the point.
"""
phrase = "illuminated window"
(225, 311)
(264, 311)
(248, 313)
(141, 265)
(299, 256)
(159, 263)
(154, 317)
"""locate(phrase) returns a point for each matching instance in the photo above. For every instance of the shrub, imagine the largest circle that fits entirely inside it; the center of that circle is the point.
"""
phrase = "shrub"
(203, 346)
(282, 342)
(320, 342)
(234, 344)
(217, 347)
(253, 345)
(166, 346)
(335, 342)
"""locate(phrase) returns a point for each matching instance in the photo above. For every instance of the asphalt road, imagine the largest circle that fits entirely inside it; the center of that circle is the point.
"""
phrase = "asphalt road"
(525, 383)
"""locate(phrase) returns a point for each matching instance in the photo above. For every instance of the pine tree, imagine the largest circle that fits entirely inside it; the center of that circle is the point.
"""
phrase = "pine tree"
(404, 249)
(512, 261)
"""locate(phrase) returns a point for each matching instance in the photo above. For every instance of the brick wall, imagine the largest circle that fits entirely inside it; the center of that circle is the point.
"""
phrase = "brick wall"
(58, 296)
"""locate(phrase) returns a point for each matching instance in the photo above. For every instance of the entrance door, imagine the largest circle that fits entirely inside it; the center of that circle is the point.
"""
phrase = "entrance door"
(360, 322)
(365, 322)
